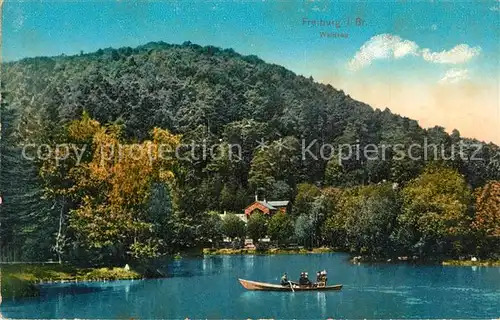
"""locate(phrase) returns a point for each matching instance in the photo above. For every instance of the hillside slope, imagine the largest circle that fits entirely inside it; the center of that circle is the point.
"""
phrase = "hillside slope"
(209, 94)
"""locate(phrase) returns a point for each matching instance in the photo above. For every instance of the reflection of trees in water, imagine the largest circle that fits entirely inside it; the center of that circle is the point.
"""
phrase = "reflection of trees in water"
(308, 300)
(321, 298)
(127, 290)
(212, 264)
(249, 262)
(63, 289)
(226, 262)
(188, 267)
(63, 296)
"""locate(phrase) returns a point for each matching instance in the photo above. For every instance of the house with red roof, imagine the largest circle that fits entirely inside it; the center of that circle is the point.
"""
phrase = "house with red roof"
(268, 208)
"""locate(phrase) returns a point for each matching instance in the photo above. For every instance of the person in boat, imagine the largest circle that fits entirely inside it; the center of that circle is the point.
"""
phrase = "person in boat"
(308, 282)
(318, 276)
(284, 280)
(324, 277)
(304, 279)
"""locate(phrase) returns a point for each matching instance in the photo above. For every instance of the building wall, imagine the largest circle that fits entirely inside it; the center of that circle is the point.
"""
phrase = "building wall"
(242, 216)
(256, 206)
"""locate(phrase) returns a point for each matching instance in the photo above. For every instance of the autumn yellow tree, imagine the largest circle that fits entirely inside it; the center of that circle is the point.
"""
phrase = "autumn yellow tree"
(435, 214)
(487, 218)
(109, 184)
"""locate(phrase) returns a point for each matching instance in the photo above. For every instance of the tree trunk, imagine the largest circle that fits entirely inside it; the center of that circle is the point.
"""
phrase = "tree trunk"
(58, 246)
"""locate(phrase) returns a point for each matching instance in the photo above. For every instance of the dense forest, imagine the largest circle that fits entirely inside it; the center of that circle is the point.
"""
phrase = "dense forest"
(82, 208)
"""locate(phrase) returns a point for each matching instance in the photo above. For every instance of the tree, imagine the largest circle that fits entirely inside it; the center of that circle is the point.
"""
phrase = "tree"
(256, 227)
(334, 173)
(280, 190)
(281, 228)
(111, 188)
(160, 214)
(332, 229)
(306, 194)
(369, 218)
(318, 214)
(28, 221)
(486, 221)
(435, 212)
(305, 230)
(233, 227)
(487, 218)
(52, 210)
(280, 161)
(212, 228)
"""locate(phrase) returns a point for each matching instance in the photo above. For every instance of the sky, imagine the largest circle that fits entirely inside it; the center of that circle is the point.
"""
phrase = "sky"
(436, 62)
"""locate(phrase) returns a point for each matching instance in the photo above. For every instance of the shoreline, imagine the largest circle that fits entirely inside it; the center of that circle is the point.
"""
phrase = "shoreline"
(274, 251)
(468, 263)
(354, 259)
(19, 281)
(419, 261)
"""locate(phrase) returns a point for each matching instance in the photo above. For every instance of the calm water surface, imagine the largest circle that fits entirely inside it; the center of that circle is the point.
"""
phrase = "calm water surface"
(208, 288)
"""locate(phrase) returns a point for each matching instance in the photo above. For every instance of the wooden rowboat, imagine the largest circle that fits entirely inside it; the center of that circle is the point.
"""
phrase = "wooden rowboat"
(262, 286)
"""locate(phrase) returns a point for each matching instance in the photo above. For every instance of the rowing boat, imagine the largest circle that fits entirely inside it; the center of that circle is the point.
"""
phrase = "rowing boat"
(262, 286)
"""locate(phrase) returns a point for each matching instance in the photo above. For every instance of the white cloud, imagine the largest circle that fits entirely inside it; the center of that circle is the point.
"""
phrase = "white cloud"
(382, 46)
(455, 75)
(387, 46)
(458, 54)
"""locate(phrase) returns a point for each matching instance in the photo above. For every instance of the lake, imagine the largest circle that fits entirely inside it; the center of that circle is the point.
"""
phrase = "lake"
(209, 288)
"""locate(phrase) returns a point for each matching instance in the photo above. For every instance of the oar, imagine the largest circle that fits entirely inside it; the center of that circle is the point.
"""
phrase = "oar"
(291, 286)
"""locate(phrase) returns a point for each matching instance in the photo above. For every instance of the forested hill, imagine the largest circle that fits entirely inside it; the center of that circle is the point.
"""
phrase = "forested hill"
(181, 87)
(210, 95)
(191, 89)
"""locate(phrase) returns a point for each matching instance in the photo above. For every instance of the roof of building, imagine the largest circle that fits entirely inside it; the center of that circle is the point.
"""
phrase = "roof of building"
(270, 205)
(278, 203)
(267, 205)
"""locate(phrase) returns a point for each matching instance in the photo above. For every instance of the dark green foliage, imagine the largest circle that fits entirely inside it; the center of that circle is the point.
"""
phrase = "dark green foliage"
(233, 227)
(370, 218)
(281, 228)
(211, 96)
(435, 216)
(28, 222)
(306, 195)
(257, 227)
(305, 230)
(211, 229)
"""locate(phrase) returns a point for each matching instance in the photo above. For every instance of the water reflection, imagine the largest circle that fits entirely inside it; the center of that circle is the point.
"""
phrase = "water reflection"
(194, 267)
(249, 262)
(208, 288)
(63, 289)
(226, 262)
(321, 298)
(205, 264)
(71, 289)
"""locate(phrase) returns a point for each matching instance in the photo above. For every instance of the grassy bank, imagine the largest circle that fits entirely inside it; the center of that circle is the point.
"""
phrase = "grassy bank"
(483, 263)
(426, 261)
(209, 251)
(21, 280)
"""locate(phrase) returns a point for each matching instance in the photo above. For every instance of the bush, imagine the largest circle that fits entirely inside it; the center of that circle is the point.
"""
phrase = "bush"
(233, 227)
(257, 227)
(281, 228)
